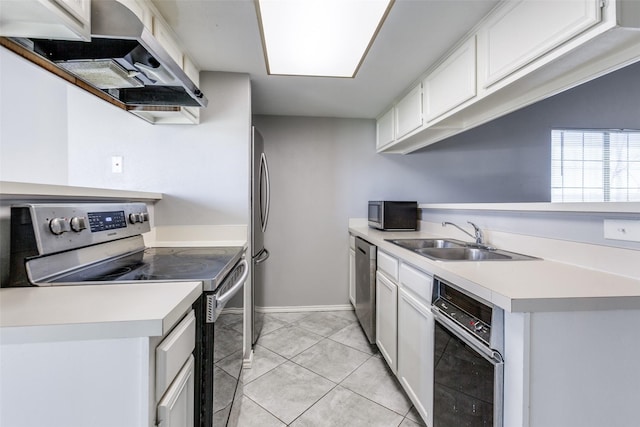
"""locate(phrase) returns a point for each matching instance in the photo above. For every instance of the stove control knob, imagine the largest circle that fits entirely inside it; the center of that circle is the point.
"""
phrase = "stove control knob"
(59, 226)
(145, 216)
(78, 223)
(478, 327)
(135, 217)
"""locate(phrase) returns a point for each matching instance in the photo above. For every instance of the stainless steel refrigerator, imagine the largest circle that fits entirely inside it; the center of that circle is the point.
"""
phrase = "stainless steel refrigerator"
(260, 199)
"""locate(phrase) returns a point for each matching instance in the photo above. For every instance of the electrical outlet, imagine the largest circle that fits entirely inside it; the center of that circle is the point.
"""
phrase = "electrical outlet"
(116, 164)
(618, 229)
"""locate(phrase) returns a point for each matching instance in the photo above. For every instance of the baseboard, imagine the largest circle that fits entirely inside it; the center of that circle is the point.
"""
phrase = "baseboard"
(289, 309)
(248, 362)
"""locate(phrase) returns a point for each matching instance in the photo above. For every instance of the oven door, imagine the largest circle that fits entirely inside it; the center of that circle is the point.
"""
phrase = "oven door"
(468, 379)
(221, 348)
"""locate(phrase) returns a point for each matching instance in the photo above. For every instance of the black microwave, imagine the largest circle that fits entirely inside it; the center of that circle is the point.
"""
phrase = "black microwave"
(388, 215)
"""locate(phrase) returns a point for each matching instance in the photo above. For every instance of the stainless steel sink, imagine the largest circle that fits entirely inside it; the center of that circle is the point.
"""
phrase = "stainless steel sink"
(456, 250)
(416, 244)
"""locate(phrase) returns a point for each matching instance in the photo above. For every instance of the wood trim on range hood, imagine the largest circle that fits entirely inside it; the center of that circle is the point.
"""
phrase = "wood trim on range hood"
(52, 68)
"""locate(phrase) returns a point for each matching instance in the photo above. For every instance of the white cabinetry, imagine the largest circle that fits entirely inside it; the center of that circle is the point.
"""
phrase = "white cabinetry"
(524, 30)
(408, 112)
(352, 270)
(416, 339)
(54, 19)
(387, 308)
(451, 83)
(385, 131)
(386, 319)
(525, 51)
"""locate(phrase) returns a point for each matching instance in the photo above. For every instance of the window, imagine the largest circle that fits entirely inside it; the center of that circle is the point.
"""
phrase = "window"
(595, 165)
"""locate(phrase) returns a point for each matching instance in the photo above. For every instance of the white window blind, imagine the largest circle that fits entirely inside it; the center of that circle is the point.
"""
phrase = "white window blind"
(595, 165)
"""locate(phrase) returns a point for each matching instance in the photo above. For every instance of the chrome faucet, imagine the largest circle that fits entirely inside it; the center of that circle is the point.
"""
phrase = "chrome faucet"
(479, 237)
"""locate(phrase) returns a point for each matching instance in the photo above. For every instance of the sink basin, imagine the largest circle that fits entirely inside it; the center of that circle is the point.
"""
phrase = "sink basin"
(456, 250)
(462, 254)
(417, 244)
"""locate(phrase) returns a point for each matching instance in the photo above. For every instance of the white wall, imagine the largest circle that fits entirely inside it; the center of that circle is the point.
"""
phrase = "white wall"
(201, 170)
(33, 122)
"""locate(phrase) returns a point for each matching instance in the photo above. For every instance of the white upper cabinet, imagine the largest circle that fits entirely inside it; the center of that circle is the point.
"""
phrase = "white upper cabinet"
(451, 83)
(524, 30)
(53, 19)
(522, 52)
(385, 132)
(408, 112)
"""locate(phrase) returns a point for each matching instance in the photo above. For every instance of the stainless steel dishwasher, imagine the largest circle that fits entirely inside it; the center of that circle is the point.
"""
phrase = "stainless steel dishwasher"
(366, 255)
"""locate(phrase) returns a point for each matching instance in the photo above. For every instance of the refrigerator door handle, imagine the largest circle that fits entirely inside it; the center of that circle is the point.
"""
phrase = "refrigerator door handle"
(262, 256)
(264, 203)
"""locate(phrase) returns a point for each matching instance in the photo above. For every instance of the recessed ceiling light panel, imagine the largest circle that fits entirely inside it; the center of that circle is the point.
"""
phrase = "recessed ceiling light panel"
(328, 38)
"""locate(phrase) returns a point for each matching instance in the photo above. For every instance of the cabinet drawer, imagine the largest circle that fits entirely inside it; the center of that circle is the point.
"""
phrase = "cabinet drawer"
(419, 282)
(173, 352)
(388, 265)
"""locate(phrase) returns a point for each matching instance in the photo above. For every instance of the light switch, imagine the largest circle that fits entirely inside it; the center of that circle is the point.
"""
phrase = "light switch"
(622, 229)
(116, 164)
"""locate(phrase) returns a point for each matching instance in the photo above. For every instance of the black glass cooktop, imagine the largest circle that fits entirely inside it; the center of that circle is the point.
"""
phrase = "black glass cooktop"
(207, 264)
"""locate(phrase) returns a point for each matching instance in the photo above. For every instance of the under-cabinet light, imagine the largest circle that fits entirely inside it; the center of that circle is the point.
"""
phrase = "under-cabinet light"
(327, 38)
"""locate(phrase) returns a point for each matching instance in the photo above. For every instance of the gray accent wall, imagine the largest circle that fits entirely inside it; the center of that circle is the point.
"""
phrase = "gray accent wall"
(323, 171)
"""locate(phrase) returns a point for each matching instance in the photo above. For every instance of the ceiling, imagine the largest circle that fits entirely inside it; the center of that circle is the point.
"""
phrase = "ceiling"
(223, 35)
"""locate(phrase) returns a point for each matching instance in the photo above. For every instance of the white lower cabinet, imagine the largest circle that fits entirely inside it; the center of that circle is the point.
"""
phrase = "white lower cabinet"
(175, 375)
(176, 407)
(386, 319)
(415, 352)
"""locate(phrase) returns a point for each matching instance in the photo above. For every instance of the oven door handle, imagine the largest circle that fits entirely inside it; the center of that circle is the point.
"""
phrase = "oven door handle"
(488, 353)
(225, 297)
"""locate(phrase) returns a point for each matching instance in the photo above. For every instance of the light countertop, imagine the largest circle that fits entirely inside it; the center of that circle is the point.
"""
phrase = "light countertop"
(62, 313)
(521, 286)
(24, 190)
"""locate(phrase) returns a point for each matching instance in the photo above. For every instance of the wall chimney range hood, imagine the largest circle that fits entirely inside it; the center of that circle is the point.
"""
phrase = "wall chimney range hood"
(123, 63)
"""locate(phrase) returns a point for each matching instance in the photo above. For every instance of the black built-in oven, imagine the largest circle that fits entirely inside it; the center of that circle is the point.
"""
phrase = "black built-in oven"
(468, 361)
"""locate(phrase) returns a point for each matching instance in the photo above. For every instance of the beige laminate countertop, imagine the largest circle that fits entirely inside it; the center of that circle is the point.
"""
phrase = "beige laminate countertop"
(65, 313)
(521, 286)
(24, 190)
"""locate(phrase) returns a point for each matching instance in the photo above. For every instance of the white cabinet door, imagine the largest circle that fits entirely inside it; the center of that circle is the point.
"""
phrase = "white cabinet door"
(352, 277)
(385, 131)
(408, 112)
(176, 407)
(523, 30)
(54, 19)
(387, 319)
(451, 83)
(415, 352)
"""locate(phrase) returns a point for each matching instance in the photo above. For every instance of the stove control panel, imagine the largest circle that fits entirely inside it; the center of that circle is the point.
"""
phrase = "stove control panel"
(61, 227)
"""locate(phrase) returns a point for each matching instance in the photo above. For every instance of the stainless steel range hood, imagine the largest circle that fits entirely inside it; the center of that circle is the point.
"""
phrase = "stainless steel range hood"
(123, 60)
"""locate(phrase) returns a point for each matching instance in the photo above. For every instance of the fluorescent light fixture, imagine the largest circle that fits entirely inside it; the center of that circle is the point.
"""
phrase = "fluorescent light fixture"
(327, 38)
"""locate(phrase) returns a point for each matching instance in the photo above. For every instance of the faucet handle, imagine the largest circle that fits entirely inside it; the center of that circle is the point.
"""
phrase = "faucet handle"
(478, 233)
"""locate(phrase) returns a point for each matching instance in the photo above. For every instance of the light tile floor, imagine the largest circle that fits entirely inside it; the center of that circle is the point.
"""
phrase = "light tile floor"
(316, 369)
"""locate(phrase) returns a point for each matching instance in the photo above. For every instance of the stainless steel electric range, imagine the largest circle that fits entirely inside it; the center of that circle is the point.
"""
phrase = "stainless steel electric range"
(102, 243)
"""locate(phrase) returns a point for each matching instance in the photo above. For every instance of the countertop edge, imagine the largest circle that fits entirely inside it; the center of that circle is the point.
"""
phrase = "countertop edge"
(124, 324)
(24, 190)
(507, 302)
